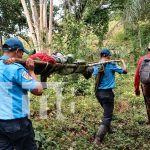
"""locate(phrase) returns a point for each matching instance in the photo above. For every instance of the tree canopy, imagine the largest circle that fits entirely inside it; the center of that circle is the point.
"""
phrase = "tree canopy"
(12, 20)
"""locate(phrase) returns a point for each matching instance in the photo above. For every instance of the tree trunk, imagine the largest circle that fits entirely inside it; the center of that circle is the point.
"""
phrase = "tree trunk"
(45, 14)
(45, 29)
(29, 21)
(38, 23)
(41, 25)
(50, 24)
(35, 20)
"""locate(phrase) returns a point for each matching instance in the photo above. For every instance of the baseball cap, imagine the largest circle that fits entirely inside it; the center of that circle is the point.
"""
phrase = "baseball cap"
(105, 52)
(14, 43)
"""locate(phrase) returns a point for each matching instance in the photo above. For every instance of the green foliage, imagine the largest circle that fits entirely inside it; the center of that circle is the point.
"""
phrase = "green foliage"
(145, 29)
(98, 21)
(12, 19)
(81, 19)
(78, 129)
(81, 31)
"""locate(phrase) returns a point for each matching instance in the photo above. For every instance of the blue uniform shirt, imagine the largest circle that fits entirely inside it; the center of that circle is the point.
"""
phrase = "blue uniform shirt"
(108, 80)
(14, 84)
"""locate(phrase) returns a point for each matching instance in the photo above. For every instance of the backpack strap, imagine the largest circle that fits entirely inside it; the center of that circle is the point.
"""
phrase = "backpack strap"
(99, 76)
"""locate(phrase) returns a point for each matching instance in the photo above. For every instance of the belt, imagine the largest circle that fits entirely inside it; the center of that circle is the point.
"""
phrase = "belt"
(105, 90)
(11, 120)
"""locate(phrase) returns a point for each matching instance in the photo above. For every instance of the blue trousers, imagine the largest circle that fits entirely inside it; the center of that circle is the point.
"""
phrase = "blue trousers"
(17, 134)
(106, 99)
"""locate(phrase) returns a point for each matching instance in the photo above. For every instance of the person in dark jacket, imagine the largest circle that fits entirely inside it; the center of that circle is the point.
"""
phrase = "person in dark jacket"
(145, 87)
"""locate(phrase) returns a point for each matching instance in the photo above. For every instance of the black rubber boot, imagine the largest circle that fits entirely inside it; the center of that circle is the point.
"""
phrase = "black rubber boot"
(111, 130)
(101, 134)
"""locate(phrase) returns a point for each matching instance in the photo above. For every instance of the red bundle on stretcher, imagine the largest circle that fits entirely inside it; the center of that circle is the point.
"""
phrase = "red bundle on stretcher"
(43, 57)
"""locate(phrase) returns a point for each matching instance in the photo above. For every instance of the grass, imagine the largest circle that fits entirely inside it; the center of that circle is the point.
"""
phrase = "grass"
(77, 130)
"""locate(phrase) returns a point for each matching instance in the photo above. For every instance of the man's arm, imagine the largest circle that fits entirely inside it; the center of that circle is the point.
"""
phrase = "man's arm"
(137, 78)
(38, 90)
(124, 67)
(120, 70)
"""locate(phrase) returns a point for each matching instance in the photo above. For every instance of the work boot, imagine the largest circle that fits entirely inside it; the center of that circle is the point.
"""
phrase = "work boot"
(111, 130)
(100, 134)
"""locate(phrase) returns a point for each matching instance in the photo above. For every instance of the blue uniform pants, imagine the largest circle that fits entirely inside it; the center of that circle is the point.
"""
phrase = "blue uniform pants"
(106, 99)
(17, 134)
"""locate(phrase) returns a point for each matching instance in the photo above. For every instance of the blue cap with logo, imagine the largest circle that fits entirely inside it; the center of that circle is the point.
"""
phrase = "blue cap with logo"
(13, 44)
(105, 52)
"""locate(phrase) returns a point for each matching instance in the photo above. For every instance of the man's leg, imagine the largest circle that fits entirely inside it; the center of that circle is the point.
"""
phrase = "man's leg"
(106, 122)
(108, 113)
(18, 134)
(106, 99)
(5, 143)
(26, 136)
(146, 95)
(147, 103)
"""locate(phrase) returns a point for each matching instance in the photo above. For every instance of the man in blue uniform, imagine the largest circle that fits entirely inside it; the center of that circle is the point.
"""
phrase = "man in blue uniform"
(16, 130)
(104, 91)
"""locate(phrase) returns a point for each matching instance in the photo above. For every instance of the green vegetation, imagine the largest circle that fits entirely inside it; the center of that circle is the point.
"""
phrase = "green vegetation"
(78, 128)
(82, 29)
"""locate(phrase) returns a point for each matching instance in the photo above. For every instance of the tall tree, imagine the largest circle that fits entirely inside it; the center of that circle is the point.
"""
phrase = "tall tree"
(39, 25)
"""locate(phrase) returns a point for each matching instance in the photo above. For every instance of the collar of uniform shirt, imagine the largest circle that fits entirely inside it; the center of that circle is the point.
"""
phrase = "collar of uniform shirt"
(4, 57)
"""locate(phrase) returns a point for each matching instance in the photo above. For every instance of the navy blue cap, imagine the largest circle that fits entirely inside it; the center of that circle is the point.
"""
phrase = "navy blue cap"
(105, 52)
(14, 43)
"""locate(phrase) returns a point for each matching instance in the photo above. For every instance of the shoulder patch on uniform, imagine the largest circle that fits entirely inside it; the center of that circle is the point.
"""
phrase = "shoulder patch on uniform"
(26, 75)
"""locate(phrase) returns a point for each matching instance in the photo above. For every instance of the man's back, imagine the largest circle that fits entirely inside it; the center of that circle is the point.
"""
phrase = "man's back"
(108, 80)
(13, 87)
